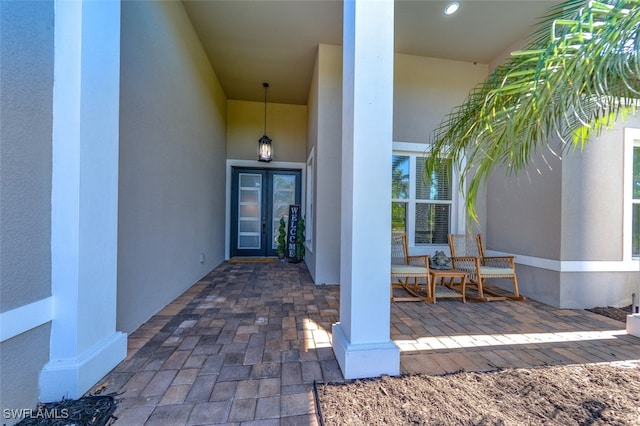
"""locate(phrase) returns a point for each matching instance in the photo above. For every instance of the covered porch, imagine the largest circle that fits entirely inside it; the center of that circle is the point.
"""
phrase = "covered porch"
(247, 342)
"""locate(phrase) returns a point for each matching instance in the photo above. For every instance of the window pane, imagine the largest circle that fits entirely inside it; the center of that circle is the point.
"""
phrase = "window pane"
(250, 180)
(399, 217)
(400, 177)
(248, 196)
(432, 223)
(249, 242)
(434, 187)
(249, 226)
(636, 173)
(635, 237)
(249, 211)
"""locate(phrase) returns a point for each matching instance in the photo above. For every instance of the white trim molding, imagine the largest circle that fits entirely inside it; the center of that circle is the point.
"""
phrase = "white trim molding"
(25, 318)
(70, 378)
(358, 360)
(572, 265)
(231, 163)
(309, 195)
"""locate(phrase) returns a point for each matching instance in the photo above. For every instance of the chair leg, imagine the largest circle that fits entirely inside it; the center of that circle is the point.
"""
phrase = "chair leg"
(480, 287)
(407, 287)
(516, 293)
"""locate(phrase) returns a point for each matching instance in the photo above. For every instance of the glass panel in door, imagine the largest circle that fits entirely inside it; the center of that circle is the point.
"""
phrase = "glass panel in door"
(249, 211)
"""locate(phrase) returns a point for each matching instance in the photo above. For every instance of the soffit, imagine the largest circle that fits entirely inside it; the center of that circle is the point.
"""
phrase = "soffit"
(251, 41)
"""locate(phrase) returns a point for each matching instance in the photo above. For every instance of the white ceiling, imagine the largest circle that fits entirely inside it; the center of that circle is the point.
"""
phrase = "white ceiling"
(254, 41)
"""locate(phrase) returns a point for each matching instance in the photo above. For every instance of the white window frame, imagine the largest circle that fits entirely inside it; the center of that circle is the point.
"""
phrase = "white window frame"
(631, 140)
(457, 221)
(309, 210)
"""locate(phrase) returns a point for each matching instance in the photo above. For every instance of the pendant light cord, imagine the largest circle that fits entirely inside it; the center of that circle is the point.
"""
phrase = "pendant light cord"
(265, 85)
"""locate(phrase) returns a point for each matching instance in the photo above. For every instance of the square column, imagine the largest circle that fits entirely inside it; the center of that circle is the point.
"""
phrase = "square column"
(361, 340)
(84, 199)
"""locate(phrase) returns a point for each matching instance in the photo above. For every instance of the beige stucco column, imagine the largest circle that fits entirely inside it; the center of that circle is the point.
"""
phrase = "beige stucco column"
(361, 340)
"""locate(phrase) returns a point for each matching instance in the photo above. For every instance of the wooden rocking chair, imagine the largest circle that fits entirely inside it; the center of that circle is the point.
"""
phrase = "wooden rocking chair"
(467, 254)
(407, 271)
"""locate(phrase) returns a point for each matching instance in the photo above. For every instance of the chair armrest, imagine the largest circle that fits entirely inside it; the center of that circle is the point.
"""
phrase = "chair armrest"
(419, 260)
(499, 261)
(465, 258)
(465, 263)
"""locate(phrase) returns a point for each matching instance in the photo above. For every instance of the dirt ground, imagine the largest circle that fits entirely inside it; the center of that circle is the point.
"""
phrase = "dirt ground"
(564, 395)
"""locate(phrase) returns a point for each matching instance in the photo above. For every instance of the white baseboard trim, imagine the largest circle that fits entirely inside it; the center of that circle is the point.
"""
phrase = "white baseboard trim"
(364, 360)
(24, 318)
(572, 265)
(71, 378)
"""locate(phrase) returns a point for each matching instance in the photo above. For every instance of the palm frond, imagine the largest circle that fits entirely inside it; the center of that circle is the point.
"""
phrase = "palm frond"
(580, 70)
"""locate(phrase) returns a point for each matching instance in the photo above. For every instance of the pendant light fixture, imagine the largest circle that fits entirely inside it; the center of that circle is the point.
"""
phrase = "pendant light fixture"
(264, 143)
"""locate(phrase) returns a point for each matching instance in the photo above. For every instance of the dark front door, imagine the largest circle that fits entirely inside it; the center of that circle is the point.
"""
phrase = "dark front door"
(259, 198)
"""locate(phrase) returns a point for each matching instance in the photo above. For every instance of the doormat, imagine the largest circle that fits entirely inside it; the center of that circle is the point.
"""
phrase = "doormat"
(252, 260)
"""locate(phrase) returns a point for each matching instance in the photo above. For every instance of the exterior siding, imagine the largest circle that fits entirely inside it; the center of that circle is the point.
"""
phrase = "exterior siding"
(524, 211)
(286, 126)
(326, 104)
(563, 219)
(172, 161)
(26, 87)
(26, 84)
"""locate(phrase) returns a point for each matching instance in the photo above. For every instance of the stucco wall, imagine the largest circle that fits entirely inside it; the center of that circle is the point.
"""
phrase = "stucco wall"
(286, 126)
(26, 88)
(593, 198)
(172, 161)
(524, 210)
(593, 201)
(21, 358)
(589, 289)
(311, 254)
(26, 84)
(325, 135)
(565, 224)
(426, 90)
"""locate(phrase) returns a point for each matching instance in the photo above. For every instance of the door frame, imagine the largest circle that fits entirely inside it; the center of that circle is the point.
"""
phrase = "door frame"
(255, 164)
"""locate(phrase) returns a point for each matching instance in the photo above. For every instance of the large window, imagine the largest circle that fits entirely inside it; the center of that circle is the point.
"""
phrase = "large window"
(632, 194)
(422, 205)
(635, 244)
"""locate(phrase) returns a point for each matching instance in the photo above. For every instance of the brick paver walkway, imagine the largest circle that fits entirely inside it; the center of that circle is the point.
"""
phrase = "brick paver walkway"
(245, 344)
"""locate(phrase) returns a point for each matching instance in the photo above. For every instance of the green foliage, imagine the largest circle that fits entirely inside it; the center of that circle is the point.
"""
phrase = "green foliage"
(578, 75)
(300, 250)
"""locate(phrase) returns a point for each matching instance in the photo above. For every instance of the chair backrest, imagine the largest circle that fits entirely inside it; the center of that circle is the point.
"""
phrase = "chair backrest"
(399, 250)
(464, 245)
(480, 245)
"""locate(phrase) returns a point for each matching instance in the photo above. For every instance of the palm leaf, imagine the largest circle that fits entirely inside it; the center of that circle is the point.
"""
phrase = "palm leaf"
(578, 73)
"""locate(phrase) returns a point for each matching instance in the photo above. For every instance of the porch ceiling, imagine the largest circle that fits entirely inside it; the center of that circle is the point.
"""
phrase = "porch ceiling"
(251, 41)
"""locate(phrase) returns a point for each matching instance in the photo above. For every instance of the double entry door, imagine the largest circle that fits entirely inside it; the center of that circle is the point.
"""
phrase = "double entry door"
(259, 198)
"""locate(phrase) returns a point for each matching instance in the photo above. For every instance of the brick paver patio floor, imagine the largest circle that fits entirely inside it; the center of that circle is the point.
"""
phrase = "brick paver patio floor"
(245, 344)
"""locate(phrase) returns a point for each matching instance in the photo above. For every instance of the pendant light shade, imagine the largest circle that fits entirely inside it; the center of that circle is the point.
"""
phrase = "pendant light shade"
(264, 143)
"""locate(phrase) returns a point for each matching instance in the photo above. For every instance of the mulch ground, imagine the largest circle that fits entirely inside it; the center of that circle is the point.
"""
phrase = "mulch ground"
(92, 410)
(559, 395)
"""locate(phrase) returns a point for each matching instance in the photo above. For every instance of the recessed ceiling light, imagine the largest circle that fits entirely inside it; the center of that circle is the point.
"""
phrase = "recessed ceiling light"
(452, 8)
